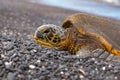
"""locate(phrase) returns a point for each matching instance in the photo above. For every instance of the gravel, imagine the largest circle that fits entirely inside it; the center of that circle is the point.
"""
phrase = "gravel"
(21, 58)
(27, 60)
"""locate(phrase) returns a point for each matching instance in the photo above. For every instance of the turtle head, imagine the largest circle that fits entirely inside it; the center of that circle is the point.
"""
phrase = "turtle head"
(50, 35)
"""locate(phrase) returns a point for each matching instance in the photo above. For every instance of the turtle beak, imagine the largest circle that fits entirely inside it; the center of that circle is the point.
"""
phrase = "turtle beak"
(42, 43)
(40, 39)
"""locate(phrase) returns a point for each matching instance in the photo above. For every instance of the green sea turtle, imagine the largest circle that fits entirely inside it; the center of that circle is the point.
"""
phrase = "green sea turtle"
(81, 32)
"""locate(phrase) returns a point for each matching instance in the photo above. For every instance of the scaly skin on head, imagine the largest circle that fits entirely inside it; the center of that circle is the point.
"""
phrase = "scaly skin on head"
(50, 35)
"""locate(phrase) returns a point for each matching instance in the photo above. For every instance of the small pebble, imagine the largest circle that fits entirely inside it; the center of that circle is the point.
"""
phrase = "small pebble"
(34, 51)
(11, 76)
(103, 68)
(81, 76)
(8, 64)
(116, 78)
(31, 66)
(61, 72)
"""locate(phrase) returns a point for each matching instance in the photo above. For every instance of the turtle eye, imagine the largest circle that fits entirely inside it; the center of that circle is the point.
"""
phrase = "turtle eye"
(47, 30)
(39, 35)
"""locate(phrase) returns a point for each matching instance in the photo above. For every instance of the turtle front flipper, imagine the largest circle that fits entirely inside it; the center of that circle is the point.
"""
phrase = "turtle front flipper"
(106, 56)
(105, 47)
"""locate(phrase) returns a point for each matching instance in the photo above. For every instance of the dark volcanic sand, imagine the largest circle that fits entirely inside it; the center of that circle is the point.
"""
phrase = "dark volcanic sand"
(22, 59)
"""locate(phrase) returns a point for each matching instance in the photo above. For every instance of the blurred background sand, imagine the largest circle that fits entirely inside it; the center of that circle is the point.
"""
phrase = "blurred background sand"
(108, 8)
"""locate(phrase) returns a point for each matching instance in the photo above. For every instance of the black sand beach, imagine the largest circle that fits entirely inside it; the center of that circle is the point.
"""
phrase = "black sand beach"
(22, 59)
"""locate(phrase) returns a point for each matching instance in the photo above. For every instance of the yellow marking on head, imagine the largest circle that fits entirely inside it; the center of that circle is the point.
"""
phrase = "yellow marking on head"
(49, 35)
(43, 42)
